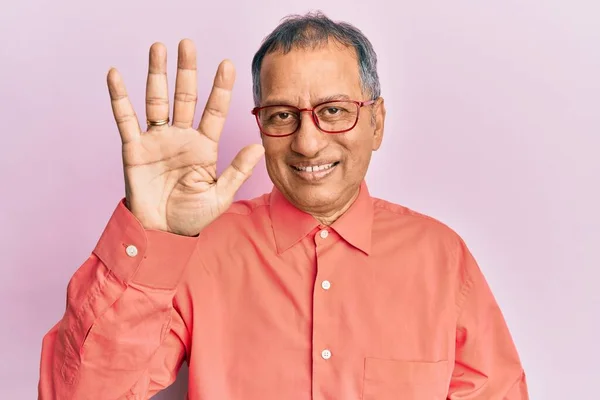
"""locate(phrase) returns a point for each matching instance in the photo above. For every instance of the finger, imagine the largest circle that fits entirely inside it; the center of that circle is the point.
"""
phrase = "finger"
(186, 92)
(239, 170)
(127, 122)
(217, 105)
(157, 90)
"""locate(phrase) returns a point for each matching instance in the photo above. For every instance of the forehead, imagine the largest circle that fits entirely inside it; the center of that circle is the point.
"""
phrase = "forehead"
(307, 74)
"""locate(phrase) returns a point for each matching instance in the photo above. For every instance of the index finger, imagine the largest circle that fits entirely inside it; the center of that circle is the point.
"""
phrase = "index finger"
(125, 117)
(217, 105)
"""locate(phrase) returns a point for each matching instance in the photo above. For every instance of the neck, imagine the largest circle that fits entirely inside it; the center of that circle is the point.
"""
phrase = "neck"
(330, 217)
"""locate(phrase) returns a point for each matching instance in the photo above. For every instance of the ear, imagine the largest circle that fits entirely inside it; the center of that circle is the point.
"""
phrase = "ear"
(379, 117)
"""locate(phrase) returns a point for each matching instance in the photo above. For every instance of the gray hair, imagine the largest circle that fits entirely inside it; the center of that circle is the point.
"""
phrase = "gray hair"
(311, 30)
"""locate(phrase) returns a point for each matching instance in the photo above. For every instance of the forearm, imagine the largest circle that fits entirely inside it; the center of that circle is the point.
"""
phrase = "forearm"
(119, 314)
(487, 364)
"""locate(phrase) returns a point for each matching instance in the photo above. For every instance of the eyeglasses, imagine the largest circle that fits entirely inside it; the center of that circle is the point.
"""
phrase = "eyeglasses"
(330, 117)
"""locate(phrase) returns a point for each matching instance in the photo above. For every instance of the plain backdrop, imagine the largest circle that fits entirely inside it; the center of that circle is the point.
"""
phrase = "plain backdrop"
(493, 127)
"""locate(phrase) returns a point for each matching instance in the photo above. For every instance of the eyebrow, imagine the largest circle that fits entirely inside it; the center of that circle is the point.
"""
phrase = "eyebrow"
(280, 101)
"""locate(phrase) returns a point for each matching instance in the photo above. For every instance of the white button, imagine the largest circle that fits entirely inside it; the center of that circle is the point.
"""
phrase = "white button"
(326, 354)
(326, 285)
(324, 234)
(131, 250)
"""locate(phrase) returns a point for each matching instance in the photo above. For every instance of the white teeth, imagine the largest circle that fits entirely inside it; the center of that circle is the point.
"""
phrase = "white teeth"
(315, 168)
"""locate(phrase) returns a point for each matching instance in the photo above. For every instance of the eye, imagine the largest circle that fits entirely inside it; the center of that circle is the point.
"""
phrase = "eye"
(332, 110)
(279, 115)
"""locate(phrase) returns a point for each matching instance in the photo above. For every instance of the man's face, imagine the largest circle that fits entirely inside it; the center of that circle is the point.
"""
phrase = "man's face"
(304, 78)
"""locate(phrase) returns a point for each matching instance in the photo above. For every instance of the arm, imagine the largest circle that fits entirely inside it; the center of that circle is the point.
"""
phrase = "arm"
(121, 336)
(487, 365)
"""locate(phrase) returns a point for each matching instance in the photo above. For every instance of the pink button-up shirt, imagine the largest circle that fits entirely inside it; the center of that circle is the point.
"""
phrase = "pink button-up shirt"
(267, 304)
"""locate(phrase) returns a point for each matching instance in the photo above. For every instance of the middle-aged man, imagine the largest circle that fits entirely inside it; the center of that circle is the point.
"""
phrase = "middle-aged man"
(315, 290)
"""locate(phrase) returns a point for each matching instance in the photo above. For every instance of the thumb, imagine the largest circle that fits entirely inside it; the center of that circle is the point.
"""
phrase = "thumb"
(239, 170)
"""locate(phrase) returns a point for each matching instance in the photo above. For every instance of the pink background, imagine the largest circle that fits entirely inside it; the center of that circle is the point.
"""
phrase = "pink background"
(493, 127)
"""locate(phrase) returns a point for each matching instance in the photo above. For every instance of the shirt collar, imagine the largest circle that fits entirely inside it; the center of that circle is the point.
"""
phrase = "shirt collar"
(290, 224)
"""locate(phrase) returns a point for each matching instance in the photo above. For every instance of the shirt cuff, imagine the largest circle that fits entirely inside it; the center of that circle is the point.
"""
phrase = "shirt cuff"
(147, 257)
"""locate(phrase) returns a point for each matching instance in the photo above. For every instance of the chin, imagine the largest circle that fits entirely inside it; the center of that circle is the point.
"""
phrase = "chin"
(314, 196)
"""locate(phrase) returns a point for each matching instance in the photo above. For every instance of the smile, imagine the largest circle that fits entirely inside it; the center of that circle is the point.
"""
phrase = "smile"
(315, 168)
(314, 172)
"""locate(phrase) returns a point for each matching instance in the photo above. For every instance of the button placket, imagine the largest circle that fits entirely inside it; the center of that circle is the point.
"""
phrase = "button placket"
(323, 347)
(322, 234)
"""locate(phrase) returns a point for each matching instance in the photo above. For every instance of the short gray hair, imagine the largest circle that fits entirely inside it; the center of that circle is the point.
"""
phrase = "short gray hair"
(311, 30)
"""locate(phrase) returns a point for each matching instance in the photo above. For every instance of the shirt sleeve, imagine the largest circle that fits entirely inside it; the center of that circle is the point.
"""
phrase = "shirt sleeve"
(487, 365)
(121, 336)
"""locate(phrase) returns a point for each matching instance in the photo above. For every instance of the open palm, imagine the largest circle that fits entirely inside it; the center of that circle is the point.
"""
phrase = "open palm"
(170, 170)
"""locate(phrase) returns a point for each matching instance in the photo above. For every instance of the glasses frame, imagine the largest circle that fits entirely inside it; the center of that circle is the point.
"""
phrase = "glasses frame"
(315, 120)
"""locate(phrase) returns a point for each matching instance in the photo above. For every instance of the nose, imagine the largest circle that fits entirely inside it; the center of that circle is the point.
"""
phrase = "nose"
(309, 140)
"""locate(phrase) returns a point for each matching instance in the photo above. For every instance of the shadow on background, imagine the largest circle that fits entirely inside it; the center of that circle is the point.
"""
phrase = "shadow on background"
(178, 390)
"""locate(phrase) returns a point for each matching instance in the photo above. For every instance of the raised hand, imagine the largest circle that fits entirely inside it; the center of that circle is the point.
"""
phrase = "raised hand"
(170, 170)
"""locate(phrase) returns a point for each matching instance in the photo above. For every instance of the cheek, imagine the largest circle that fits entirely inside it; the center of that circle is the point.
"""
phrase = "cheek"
(360, 144)
(275, 150)
(358, 152)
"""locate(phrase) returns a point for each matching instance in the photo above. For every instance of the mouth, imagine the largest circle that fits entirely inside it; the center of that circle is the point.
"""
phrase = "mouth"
(314, 172)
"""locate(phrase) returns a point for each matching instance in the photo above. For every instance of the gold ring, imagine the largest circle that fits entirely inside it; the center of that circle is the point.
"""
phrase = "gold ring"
(158, 123)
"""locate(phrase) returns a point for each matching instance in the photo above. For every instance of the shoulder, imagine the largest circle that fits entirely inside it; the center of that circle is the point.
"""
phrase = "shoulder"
(403, 221)
(424, 238)
(248, 207)
(243, 216)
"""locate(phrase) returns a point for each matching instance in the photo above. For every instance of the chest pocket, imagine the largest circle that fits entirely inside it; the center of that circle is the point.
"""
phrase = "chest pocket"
(405, 380)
